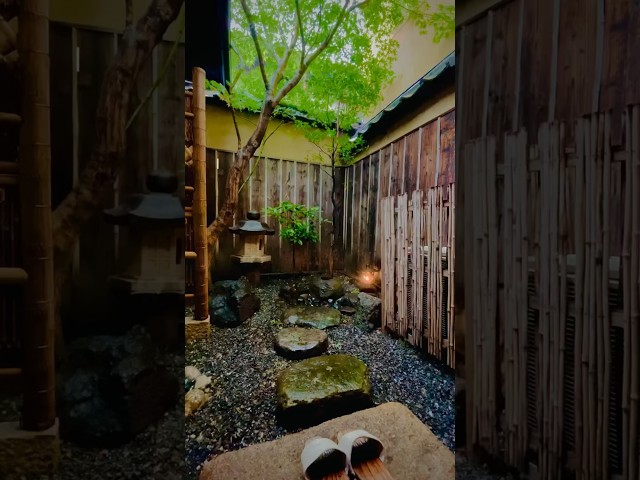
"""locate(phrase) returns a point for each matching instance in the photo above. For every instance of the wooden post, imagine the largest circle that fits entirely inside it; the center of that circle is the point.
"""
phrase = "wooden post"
(35, 201)
(200, 196)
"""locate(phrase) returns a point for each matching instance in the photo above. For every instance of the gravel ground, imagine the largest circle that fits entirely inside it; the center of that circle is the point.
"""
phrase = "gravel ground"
(244, 368)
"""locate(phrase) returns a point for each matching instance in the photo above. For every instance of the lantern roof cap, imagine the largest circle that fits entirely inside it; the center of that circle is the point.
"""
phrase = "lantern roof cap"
(160, 206)
(252, 226)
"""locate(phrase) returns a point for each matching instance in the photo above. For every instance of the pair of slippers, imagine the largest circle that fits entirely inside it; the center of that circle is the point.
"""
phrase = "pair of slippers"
(357, 453)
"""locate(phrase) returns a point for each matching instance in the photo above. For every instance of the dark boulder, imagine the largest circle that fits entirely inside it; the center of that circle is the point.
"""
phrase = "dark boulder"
(111, 388)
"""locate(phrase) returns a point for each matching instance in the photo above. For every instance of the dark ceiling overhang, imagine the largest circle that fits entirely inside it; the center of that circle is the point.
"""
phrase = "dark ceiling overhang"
(207, 38)
(433, 83)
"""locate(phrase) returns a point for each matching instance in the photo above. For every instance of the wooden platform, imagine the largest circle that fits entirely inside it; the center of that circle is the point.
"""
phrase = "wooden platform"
(412, 451)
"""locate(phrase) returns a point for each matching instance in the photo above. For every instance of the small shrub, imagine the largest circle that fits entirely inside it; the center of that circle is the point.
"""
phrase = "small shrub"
(298, 224)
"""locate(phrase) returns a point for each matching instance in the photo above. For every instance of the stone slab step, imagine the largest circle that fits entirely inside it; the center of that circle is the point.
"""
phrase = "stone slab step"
(412, 451)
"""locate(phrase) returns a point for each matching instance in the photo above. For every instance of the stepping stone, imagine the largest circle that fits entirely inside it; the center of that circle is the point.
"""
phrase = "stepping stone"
(318, 389)
(346, 310)
(412, 451)
(312, 317)
(298, 343)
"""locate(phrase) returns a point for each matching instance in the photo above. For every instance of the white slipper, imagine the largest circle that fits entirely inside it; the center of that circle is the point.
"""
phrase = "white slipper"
(363, 448)
(321, 457)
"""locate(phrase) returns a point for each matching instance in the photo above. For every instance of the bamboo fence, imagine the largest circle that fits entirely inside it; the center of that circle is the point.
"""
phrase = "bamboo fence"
(196, 255)
(553, 239)
(417, 269)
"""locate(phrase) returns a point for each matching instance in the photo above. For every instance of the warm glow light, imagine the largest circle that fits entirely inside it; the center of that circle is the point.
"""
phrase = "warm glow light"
(367, 277)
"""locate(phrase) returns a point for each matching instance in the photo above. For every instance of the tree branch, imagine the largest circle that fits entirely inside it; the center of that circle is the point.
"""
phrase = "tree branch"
(285, 60)
(256, 42)
(235, 124)
(302, 39)
(128, 13)
(322, 47)
(255, 165)
(96, 179)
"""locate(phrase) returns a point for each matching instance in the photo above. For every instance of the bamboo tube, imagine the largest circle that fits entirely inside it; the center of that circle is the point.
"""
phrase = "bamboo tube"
(543, 298)
(578, 296)
(508, 359)
(521, 176)
(200, 196)
(600, 274)
(10, 119)
(634, 393)
(606, 186)
(626, 294)
(13, 276)
(562, 265)
(492, 255)
(35, 202)
(452, 275)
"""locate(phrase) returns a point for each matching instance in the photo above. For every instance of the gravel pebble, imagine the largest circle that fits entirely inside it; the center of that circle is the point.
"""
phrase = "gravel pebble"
(244, 367)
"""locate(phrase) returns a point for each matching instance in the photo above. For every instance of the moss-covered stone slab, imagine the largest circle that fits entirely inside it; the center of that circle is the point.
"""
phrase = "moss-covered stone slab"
(320, 388)
(299, 343)
(412, 451)
(312, 317)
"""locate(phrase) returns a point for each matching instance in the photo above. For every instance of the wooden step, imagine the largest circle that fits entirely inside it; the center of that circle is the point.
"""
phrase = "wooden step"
(189, 296)
(10, 118)
(10, 168)
(8, 180)
(190, 255)
(13, 276)
(188, 188)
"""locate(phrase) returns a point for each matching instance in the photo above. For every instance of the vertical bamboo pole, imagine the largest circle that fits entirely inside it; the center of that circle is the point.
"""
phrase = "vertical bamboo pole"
(522, 244)
(634, 393)
(452, 272)
(578, 277)
(200, 195)
(626, 295)
(35, 201)
(606, 185)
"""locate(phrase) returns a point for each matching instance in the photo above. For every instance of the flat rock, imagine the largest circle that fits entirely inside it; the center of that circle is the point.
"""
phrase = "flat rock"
(328, 288)
(313, 317)
(317, 389)
(298, 343)
(412, 451)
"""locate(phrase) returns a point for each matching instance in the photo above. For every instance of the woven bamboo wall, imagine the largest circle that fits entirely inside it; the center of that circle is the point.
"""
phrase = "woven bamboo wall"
(543, 182)
(563, 223)
(417, 237)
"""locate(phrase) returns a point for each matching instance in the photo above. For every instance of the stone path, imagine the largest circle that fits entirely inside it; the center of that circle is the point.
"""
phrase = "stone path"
(321, 388)
(299, 343)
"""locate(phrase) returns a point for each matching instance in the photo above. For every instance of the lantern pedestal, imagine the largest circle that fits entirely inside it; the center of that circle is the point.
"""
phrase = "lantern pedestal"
(251, 252)
(150, 290)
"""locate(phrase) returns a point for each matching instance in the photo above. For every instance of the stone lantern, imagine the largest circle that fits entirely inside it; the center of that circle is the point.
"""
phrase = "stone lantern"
(153, 259)
(251, 252)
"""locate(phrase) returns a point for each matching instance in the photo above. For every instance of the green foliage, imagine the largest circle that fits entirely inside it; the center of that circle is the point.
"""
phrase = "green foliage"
(298, 224)
(352, 70)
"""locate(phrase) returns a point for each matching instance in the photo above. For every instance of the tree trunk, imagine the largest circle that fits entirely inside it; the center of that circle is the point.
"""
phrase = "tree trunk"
(234, 178)
(98, 177)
